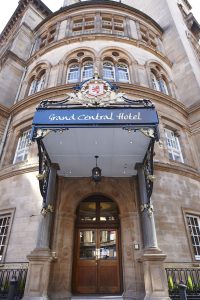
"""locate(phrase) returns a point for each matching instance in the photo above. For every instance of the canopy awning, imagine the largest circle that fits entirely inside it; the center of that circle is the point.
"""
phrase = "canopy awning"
(119, 136)
(71, 132)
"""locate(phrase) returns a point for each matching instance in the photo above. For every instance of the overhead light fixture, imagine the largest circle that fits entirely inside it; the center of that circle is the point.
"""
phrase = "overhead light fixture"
(96, 172)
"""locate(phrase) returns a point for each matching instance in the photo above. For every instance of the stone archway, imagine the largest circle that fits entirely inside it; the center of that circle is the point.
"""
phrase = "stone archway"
(70, 193)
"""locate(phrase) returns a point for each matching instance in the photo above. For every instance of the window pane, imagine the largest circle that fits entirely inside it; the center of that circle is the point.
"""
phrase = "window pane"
(123, 73)
(108, 248)
(40, 83)
(108, 71)
(87, 244)
(108, 211)
(173, 146)
(73, 75)
(164, 87)
(155, 82)
(87, 211)
(32, 87)
(22, 147)
(194, 229)
(87, 71)
(4, 226)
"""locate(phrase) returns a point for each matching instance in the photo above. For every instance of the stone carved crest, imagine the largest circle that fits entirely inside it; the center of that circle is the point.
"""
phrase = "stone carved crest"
(96, 92)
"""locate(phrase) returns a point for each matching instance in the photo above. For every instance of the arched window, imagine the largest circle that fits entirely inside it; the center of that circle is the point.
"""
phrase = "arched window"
(37, 83)
(97, 209)
(159, 83)
(76, 73)
(109, 71)
(32, 86)
(87, 71)
(155, 82)
(73, 73)
(40, 83)
(163, 85)
(122, 72)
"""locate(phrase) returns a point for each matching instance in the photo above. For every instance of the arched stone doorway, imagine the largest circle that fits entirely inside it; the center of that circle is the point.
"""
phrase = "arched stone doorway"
(70, 194)
(97, 256)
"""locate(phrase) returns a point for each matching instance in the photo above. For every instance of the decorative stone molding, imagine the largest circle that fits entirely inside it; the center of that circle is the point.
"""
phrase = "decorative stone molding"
(59, 93)
(17, 169)
(75, 39)
(178, 168)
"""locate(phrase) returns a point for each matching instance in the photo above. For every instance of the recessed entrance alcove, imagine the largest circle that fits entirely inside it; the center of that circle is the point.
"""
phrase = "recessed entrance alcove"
(95, 230)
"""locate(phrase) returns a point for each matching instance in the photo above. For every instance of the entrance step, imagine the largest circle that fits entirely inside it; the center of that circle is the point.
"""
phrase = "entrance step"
(96, 298)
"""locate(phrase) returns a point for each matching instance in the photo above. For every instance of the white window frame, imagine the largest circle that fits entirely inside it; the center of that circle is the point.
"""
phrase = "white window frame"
(73, 73)
(163, 86)
(87, 71)
(37, 84)
(40, 83)
(108, 68)
(159, 83)
(6, 219)
(155, 82)
(173, 145)
(193, 225)
(22, 149)
(32, 87)
(122, 72)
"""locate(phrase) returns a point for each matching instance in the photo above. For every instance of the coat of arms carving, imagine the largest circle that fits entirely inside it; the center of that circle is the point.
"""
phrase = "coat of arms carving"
(95, 92)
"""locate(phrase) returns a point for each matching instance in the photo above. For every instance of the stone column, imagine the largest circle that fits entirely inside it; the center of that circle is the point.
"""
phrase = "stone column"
(147, 217)
(155, 280)
(41, 257)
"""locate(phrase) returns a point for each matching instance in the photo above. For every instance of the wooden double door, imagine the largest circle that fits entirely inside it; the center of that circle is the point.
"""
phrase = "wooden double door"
(97, 261)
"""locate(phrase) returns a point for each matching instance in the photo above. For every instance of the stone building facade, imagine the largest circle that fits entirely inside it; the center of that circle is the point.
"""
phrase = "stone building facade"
(102, 238)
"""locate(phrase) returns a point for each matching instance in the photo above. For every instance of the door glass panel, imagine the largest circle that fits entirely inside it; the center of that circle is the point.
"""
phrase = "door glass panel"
(108, 249)
(87, 244)
(87, 211)
(108, 211)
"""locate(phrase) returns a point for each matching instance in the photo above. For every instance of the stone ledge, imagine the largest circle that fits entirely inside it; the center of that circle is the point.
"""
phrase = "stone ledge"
(137, 91)
(17, 169)
(180, 169)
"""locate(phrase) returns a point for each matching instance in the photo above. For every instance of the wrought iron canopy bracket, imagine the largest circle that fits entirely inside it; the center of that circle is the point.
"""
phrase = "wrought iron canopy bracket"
(148, 169)
(44, 170)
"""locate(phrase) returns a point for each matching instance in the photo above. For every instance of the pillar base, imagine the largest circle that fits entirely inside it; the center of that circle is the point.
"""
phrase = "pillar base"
(155, 280)
(38, 274)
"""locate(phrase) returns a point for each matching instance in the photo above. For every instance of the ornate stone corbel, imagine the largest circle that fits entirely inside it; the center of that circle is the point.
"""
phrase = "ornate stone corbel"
(149, 132)
(151, 177)
(41, 133)
(148, 207)
(46, 210)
